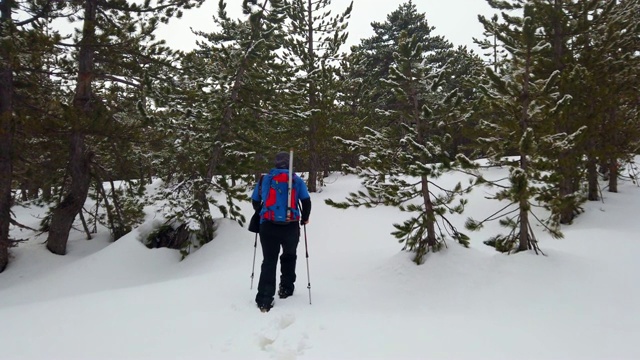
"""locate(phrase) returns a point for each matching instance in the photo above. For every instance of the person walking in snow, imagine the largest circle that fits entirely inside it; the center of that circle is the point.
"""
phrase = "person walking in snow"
(276, 198)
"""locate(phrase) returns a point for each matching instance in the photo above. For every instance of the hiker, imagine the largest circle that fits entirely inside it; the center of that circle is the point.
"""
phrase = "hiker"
(279, 227)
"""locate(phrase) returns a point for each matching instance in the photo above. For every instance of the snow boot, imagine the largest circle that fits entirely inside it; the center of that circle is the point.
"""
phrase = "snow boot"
(265, 307)
(283, 292)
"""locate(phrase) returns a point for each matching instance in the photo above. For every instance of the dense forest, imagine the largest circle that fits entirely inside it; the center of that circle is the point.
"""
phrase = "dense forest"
(102, 112)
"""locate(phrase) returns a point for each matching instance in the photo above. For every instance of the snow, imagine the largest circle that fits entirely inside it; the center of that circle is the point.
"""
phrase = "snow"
(120, 300)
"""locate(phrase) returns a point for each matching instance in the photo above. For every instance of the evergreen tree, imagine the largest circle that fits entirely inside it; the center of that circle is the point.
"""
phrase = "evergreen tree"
(225, 97)
(112, 47)
(566, 25)
(7, 125)
(23, 45)
(523, 102)
(313, 51)
(399, 169)
(614, 53)
(582, 35)
(375, 55)
(355, 112)
(495, 51)
(463, 72)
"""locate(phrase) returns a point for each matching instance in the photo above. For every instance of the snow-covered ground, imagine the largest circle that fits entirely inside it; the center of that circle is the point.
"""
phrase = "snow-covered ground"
(369, 301)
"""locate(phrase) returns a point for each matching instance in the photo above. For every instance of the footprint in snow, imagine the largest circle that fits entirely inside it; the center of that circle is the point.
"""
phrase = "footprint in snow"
(281, 343)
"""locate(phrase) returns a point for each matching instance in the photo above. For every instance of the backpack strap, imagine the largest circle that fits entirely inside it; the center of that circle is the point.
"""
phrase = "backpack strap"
(260, 187)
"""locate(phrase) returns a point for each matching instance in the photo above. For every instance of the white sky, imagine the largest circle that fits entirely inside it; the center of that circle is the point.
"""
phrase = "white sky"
(456, 20)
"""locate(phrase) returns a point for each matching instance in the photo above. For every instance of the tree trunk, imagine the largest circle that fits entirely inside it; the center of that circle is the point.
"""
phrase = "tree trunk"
(107, 205)
(615, 143)
(431, 216)
(120, 228)
(6, 165)
(565, 190)
(33, 190)
(6, 139)
(313, 126)
(201, 206)
(613, 176)
(65, 213)
(525, 240)
(312, 181)
(592, 179)
(85, 226)
(46, 192)
(79, 158)
(523, 184)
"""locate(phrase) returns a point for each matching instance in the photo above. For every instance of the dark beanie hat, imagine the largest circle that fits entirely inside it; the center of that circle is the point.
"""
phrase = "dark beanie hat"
(282, 160)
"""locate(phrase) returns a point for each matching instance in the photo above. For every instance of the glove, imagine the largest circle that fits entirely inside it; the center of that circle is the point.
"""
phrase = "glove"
(254, 223)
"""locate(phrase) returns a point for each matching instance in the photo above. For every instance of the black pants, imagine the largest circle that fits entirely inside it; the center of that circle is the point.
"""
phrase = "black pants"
(272, 237)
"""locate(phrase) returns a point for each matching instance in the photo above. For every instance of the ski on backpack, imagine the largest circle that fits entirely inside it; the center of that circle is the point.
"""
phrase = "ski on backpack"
(289, 185)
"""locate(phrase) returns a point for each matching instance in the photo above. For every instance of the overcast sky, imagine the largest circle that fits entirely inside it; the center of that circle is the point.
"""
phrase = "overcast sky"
(456, 20)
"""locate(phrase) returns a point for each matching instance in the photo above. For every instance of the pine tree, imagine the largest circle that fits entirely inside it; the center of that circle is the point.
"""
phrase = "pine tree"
(112, 47)
(23, 45)
(582, 35)
(523, 102)
(375, 56)
(614, 53)
(566, 25)
(224, 98)
(313, 51)
(38, 95)
(398, 169)
(463, 72)
(355, 112)
(6, 128)
(495, 52)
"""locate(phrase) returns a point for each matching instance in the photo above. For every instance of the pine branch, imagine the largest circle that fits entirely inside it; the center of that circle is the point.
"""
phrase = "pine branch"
(535, 246)
(120, 81)
(15, 223)
(555, 233)
(496, 214)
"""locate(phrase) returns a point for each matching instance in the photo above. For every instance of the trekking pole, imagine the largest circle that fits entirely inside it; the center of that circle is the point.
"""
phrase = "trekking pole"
(253, 268)
(306, 249)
